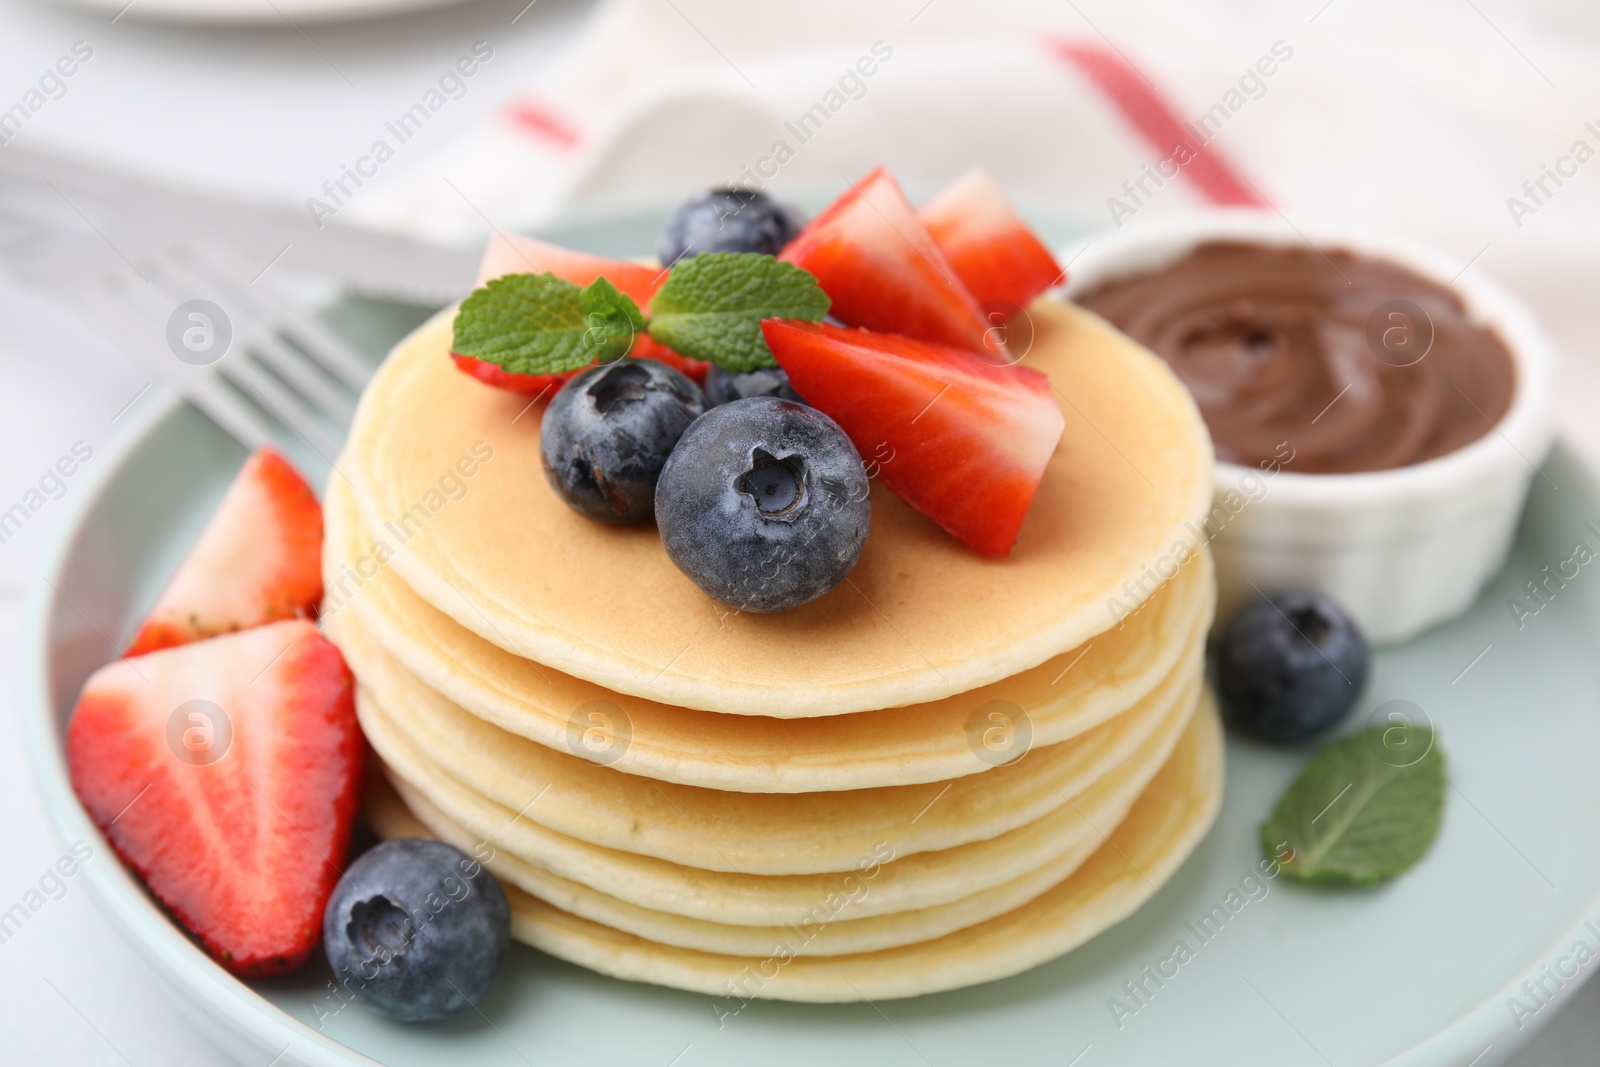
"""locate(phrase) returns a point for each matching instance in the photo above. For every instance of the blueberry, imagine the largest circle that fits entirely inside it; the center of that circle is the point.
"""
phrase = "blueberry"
(609, 431)
(764, 504)
(723, 386)
(1290, 664)
(728, 220)
(416, 929)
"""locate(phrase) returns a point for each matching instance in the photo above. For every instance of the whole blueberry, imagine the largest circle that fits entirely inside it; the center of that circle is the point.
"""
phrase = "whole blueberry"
(608, 433)
(728, 220)
(764, 504)
(723, 385)
(416, 929)
(1290, 665)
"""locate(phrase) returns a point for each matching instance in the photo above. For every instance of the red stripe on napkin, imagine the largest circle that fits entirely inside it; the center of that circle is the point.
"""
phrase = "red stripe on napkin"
(544, 124)
(1157, 121)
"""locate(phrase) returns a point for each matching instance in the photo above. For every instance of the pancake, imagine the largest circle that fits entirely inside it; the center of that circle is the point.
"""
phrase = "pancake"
(830, 930)
(929, 742)
(447, 476)
(753, 833)
(1142, 853)
(912, 882)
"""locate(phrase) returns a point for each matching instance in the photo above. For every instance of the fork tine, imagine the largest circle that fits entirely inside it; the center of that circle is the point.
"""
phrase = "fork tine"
(324, 347)
(301, 373)
(330, 350)
(242, 372)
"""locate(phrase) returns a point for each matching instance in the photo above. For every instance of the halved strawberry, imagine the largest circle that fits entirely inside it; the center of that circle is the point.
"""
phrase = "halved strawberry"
(962, 440)
(511, 253)
(883, 270)
(258, 559)
(997, 256)
(226, 774)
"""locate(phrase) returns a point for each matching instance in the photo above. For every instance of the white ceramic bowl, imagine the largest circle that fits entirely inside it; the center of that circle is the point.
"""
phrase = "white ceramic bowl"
(1399, 549)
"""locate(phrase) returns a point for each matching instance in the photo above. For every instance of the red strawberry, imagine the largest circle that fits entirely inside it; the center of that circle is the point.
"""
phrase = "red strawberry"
(497, 376)
(226, 773)
(962, 440)
(883, 270)
(510, 253)
(997, 256)
(258, 559)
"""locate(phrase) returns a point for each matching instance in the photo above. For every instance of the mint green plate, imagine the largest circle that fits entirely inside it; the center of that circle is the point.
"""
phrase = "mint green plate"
(1456, 963)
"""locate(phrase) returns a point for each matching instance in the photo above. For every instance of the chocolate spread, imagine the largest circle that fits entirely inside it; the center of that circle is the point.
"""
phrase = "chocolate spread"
(1356, 363)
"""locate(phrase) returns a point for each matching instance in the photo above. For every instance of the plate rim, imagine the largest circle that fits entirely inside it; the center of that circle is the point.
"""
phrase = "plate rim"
(234, 1015)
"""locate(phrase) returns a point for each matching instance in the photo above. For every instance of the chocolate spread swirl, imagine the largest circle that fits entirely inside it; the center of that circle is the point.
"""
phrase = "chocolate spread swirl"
(1357, 363)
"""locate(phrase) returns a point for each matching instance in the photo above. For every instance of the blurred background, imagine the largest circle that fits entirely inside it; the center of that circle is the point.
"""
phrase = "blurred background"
(335, 165)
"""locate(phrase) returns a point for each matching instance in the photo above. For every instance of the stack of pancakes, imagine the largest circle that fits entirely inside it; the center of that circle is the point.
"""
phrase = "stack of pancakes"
(946, 771)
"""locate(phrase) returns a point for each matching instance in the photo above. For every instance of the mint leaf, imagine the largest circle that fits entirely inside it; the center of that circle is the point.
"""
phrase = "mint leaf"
(537, 324)
(1360, 812)
(711, 306)
(614, 320)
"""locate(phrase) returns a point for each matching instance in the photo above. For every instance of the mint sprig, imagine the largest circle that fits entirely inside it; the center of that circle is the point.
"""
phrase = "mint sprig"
(712, 305)
(710, 308)
(1363, 810)
(541, 324)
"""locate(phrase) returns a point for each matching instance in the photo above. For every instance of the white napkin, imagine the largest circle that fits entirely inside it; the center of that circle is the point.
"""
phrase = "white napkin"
(1425, 120)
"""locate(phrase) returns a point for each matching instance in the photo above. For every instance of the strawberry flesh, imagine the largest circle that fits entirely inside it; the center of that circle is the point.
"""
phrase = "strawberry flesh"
(999, 258)
(962, 440)
(259, 559)
(510, 253)
(882, 269)
(243, 835)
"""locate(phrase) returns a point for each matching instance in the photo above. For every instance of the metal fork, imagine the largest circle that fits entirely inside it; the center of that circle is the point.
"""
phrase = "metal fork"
(241, 350)
(138, 256)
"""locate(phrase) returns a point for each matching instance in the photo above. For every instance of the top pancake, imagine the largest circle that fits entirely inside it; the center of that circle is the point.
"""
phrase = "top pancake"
(448, 478)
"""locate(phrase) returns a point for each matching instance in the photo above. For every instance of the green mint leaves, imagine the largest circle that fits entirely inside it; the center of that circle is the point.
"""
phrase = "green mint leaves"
(710, 308)
(1366, 808)
(540, 324)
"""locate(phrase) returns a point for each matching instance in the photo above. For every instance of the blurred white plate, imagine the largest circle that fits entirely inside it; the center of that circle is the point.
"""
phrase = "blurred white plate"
(255, 12)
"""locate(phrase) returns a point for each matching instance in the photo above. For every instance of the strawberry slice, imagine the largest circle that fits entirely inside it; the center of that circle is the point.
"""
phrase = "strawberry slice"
(997, 256)
(510, 253)
(226, 774)
(541, 384)
(882, 269)
(258, 559)
(962, 440)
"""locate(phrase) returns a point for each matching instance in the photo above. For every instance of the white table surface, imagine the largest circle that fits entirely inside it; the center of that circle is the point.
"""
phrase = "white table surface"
(264, 111)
